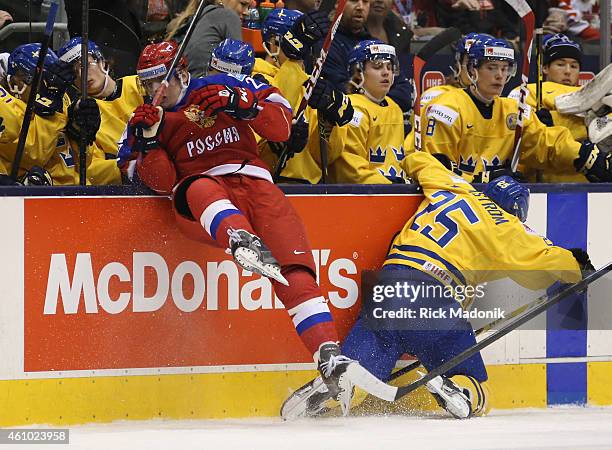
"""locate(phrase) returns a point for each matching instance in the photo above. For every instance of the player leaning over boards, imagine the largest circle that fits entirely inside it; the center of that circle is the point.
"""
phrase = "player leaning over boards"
(458, 237)
(373, 151)
(562, 59)
(47, 155)
(475, 127)
(116, 99)
(199, 146)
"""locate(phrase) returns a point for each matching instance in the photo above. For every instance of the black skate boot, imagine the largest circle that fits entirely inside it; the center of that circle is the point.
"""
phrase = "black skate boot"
(332, 366)
(251, 254)
(451, 397)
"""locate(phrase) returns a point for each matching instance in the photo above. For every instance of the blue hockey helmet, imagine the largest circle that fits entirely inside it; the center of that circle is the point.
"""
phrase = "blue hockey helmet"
(71, 50)
(371, 50)
(510, 195)
(278, 22)
(233, 56)
(463, 45)
(24, 59)
(491, 49)
(557, 46)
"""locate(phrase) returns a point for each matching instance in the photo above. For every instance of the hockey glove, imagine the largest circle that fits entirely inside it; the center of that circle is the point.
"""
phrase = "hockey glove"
(299, 137)
(583, 260)
(83, 120)
(37, 176)
(56, 79)
(146, 123)
(332, 104)
(5, 180)
(490, 175)
(593, 163)
(238, 102)
(307, 30)
(545, 117)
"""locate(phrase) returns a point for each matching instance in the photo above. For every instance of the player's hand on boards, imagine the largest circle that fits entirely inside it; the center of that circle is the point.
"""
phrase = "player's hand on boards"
(83, 120)
(238, 102)
(332, 104)
(594, 163)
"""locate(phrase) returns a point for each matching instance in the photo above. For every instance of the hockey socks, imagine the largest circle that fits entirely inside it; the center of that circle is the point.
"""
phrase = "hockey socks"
(307, 308)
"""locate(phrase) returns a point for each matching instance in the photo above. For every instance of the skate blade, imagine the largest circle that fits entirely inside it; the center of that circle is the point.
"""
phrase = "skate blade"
(248, 260)
(294, 409)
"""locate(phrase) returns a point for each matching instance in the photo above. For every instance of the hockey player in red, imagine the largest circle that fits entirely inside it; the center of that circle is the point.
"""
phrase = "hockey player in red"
(201, 148)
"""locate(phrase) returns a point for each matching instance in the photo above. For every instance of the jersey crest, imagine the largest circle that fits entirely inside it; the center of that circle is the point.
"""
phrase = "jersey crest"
(195, 115)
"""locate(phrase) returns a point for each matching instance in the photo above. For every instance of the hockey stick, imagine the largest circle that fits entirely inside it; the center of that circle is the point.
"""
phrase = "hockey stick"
(27, 117)
(539, 33)
(485, 328)
(372, 385)
(528, 19)
(84, 67)
(310, 84)
(179, 53)
(440, 41)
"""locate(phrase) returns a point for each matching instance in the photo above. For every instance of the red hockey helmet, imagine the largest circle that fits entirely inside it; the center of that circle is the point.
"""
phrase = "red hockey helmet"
(156, 59)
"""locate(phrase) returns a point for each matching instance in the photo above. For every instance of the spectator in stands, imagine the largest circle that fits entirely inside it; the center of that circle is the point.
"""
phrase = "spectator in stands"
(303, 6)
(240, 7)
(4, 18)
(483, 16)
(576, 18)
(351, 31)
(386, 26)
(215, 24)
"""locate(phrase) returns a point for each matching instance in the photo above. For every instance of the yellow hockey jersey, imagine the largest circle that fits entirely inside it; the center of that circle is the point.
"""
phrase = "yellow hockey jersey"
(460, 237)
(574, 124)
(289, 79)
(263, 67)
(45, 144)
(373, 151)
(426, 98)
(452, 124)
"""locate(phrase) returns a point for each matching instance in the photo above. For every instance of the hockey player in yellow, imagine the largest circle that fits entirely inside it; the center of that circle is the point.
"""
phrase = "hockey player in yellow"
(457, 239)
(458, 79)
(295, 33)
(45, 148)
(373, 150)
(475, 127)
(117, 99)
(561, 69)
(276, 24)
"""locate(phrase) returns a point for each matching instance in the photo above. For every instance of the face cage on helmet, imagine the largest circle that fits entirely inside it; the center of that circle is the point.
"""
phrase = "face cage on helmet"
(521, 212)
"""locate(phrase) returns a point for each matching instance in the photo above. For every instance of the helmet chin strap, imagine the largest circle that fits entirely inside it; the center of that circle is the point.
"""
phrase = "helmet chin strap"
(474, 87)
(273, 55)
(371, 97)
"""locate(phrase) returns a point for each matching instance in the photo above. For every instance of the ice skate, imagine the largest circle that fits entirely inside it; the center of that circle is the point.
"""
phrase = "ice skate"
(251, 254)
(307, 401)
(585, 98)
(451, 397)
(332, 366)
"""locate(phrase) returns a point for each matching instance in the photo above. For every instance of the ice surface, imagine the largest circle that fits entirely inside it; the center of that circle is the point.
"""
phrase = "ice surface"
(554, 428)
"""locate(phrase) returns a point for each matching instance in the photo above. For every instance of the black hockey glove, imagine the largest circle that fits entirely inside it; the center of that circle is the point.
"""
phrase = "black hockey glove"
(545, 117)
(490, 175)
(37, 176)
(594, 163)
(331, 103)
(308, 29)
(55, 81)
(299, 137)
(83, 118)
(446, 162)
(583, 260)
